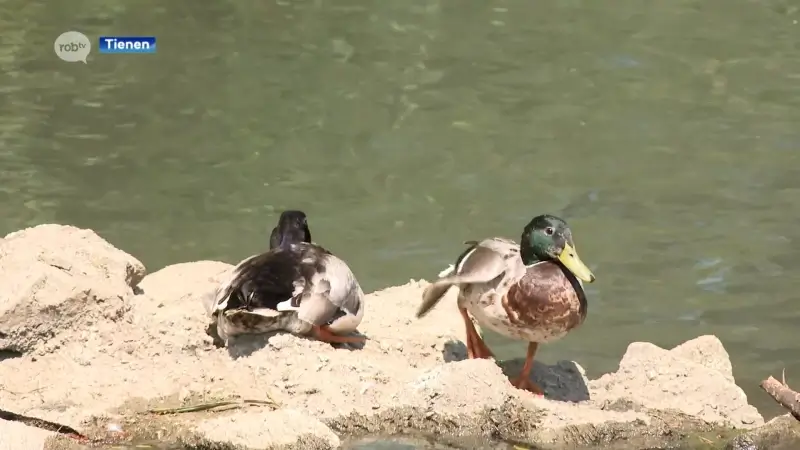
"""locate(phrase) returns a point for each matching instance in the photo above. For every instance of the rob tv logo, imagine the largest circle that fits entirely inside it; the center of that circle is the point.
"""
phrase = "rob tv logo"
(72, 46)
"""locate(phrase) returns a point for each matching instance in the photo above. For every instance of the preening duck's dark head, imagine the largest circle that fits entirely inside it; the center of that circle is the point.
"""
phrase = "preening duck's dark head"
(292, 228)
(548, 238)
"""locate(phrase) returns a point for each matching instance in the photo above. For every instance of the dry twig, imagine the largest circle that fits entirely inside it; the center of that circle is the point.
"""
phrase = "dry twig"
(214, 406)
(43, 424)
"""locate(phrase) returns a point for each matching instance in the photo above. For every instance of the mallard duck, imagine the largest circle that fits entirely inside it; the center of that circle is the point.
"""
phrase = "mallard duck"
(296, 286)
(531, 291)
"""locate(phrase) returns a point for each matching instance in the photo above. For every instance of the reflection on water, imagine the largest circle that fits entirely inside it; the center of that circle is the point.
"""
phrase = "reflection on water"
(666, 133)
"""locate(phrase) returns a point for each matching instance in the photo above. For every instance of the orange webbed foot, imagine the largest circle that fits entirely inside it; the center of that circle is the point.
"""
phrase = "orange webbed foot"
(324, 334)
(525, 383)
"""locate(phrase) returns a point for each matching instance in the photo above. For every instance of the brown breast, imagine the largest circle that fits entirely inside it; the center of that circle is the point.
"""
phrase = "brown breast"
(547, 296)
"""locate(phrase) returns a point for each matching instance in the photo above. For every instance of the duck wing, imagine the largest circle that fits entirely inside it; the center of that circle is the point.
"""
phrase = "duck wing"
(332, 295)
(262, 281)
(481, 262)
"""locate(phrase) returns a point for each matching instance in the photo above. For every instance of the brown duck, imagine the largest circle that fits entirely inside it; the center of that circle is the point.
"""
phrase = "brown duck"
(531, 292)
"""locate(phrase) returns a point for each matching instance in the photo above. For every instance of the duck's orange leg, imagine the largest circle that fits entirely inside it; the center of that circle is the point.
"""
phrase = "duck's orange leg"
(324, 334)
(476, 348)
(523, 381)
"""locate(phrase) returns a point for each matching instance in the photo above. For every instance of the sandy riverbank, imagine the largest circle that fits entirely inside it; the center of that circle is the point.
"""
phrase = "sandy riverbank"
(90, 341)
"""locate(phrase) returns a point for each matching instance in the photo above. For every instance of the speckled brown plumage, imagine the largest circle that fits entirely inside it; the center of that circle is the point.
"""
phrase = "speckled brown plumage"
(547, 297)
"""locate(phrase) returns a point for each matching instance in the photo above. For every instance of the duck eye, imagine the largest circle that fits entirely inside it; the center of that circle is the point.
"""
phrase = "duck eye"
(549, 231)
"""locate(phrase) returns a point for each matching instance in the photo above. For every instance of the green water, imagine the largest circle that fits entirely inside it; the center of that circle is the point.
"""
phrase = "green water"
(664, 132)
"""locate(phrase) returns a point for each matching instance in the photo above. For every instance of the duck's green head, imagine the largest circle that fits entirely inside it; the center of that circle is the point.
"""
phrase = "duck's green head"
(548, 238)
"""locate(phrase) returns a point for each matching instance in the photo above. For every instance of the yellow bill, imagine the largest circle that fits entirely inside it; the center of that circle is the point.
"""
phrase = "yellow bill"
(570, 259)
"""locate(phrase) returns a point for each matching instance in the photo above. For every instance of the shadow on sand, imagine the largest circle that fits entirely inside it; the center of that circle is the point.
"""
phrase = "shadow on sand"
(247, 344)
(562, 381)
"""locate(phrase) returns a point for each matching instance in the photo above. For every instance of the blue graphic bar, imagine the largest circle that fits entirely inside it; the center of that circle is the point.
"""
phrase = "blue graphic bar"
(127, 44)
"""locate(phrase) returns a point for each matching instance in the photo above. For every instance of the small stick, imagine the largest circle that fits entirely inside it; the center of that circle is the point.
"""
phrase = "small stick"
(212, 405)
(783, 394)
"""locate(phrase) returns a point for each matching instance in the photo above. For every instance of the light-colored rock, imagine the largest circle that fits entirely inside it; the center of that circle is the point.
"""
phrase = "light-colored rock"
(169, 311)
(90, 346)
(450, 388)
(56, 279)
(660, 379)
(180, 282)
(707, 351)
(15, 436)
(265, 429)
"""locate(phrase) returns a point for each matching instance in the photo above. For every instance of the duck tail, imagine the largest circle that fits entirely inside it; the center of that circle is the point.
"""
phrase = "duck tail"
(433, 293)
(448, 277)
(239, 321)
